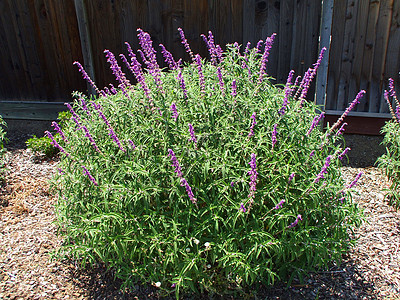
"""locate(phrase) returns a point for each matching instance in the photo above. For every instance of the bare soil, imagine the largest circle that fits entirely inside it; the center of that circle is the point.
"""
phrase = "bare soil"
(371, 270)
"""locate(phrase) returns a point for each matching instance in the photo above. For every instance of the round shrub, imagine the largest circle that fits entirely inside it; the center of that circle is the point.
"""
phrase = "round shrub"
(390, 161)
(205, 177)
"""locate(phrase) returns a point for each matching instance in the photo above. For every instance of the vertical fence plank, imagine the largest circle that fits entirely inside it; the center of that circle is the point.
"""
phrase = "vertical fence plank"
(195, 22)
(379, 58)
(86, 44)
(325, 38)
(361, 30)
(342, 97)
(285, 38)
(249, 11)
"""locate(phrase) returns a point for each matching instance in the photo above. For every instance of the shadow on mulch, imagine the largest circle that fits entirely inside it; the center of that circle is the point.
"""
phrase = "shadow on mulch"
(340, 282)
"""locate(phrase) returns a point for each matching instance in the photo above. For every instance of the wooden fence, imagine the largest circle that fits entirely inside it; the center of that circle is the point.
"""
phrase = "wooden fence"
(40, 39)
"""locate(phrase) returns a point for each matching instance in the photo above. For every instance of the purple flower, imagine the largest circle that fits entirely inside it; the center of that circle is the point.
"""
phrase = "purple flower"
(234, 88)
(188, 190)
(253, 116)
(341, 129)
(291, 177)
(346, 112)
(110, 129)
(273, 136)
(148, 52)
(258, 46)
(58, 129)
(279, 205)
(84, 106)
(87, 77)
(391, 88)
(324, 169)
(136, 69)
(132, 144)
(87, 173)
(74, 117)
(253, 179)
(354, 182)
(169, 59)
(182, 83)
(175, 163)
(201, 75)
(242, 207)
(288, 91)
(60, 171)
(232, 183)
(212, 49)
(312, 153)
(264, 59)
(295, 222)
(315, 122)
(341, 156)
(88, 135)
(175, 113)
(192, 136)
(247, 49)
(185, 43)
(54, 142)
(116, 69)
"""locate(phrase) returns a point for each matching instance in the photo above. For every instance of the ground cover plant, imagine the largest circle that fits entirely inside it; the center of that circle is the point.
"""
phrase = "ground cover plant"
(44, 145)
(205, 177)
(390, 161)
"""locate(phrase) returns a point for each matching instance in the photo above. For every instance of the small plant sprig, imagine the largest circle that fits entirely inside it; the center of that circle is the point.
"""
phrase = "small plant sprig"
(390, 161)
(217, 181)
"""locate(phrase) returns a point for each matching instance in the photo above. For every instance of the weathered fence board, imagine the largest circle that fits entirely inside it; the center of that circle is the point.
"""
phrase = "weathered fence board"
(364, 53)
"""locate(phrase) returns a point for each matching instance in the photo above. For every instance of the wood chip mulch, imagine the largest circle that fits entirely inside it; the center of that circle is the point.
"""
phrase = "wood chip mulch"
(28, 236)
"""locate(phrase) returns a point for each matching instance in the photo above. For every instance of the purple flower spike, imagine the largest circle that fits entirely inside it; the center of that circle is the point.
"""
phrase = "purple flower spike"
(341, 156)
(201, 75)
(242, 207)
(258, 46)
(253, 116)
(273, 136)
(58, 129)
(232, 183)
(54, 143)
(91, 140)
(315, 122)
(116, 69)
(192, 136)
(175, 113)
(132, 144)
(354, 182)
(253, 179)
(185, 43)
(234, 88)
(341, 129)
(294, 224)
(169, 59)
(346, 112)
(87, 77)
(264, 59)
(110, 129)
(324, 169)
(182, 83)
(288, 91)
(280, 204)
(87, 173)
(175, 163)
(188, 190)
(312, 153)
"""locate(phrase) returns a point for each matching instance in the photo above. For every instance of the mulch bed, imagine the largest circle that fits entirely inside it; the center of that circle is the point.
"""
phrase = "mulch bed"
(371, 270)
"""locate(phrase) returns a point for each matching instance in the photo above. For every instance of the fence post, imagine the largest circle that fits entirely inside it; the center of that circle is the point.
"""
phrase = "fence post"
(84, 33)
(324, 41)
